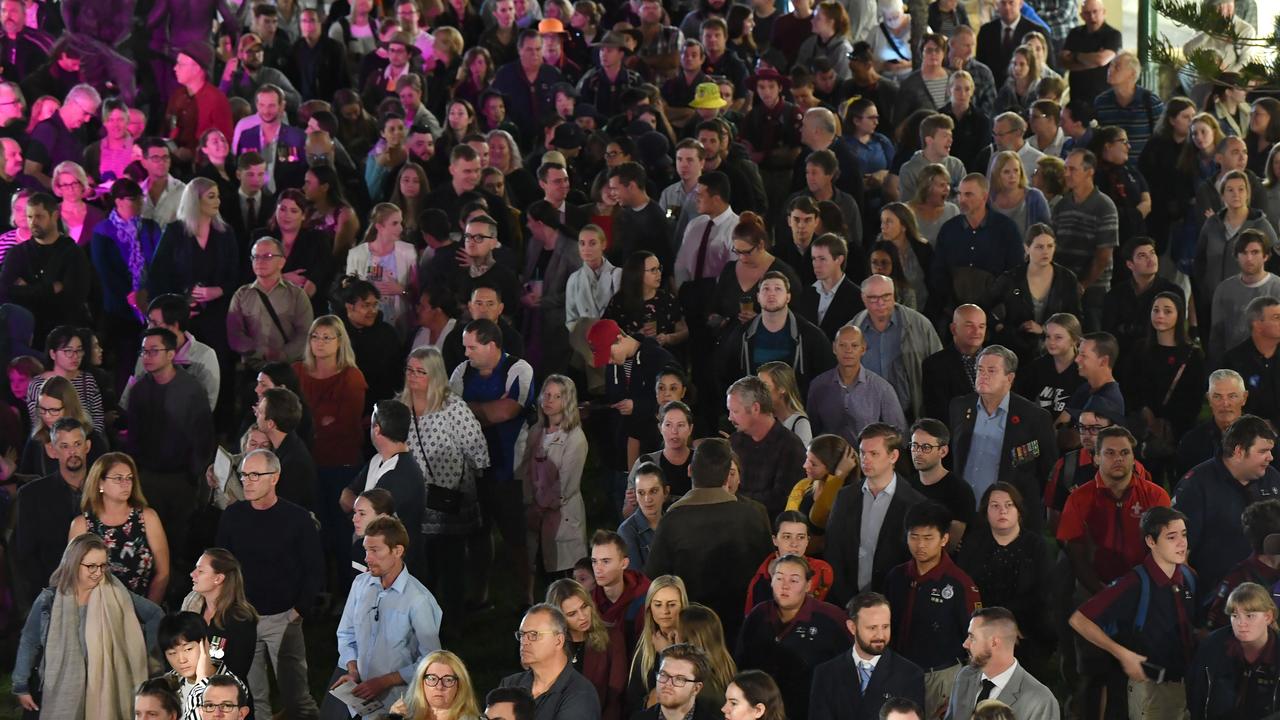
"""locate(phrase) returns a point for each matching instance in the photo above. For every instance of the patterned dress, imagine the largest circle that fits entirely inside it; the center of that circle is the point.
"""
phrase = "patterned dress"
(128, 551)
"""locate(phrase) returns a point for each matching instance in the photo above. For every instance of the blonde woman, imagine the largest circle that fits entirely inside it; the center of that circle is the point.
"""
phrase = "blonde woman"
(930, 205)
(113, 508)
(555, 454)
(446, 440)
(86, 635)
(1239, 665)
(663, 602)
(217, 593)
(334, 389)
(504, 154)
(587, 294)
(700, 627)
(72, 186)
(1011, 194)
(780, 379)
(441, 689)
(599, 649)
(388, 262)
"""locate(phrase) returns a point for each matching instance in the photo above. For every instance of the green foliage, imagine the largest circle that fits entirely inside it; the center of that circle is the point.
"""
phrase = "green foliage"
(1203, 17)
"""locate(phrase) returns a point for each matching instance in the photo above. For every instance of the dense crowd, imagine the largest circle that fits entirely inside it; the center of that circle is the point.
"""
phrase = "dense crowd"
(915, 361)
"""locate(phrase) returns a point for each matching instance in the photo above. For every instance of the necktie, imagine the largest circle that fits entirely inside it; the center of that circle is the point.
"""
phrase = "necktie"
(702, 251)
(1008, 39)
(251, 216)
(987, 687)
(864, 674)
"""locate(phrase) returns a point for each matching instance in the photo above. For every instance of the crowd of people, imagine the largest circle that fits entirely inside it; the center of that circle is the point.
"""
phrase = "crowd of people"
(836, 361)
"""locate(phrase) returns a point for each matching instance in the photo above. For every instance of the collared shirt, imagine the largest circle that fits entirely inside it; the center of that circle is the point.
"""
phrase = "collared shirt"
(1000, 681)
(684, 203)
(994, 246)
(874, 509)
(982, 466)
(1111, 525)
(388, 629)
(252, 332)
(638, 534)
(166, 210)
(845, 410)
(825, 296)
(884, 350)
(719, 246)
(379, 467)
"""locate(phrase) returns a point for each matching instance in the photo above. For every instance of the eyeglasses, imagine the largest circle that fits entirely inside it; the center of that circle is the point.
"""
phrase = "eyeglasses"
(675, 680)
(225, 708)
(612, 153)
(95, 568)
(476, 238)
(69, 185)
(72, 352)
(119, 479)
(532, 635)
(151, 352)
(922, 447)
(415, 372)
(432, 680)
(868, 299)
(255, 476)
(739, 251)
(1090, 428)
(158, 158)
(48, 410)
(323, 338)
(264, 257)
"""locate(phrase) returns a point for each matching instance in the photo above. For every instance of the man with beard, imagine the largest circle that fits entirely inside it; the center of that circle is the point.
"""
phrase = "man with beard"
(994, 673)
(22, 49)
(47, 506)
(877, 672)
(48, 275)
(283, 146)
(245, 73)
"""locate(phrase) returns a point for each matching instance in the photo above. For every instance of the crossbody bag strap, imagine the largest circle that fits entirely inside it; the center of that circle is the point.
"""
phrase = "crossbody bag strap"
(272, 312)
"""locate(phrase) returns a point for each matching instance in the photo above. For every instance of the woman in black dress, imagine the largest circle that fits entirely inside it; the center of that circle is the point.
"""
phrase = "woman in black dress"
(308, 252)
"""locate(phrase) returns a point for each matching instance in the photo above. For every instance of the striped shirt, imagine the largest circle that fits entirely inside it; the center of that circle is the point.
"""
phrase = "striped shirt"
(1083, 228)
(1138, 119)
(86, 389)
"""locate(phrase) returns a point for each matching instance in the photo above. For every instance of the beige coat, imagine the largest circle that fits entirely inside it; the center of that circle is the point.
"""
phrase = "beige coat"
(564, 543)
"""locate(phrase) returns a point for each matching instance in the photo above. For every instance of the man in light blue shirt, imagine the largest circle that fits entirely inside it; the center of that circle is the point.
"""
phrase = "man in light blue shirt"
(390, 622)
(982, 466)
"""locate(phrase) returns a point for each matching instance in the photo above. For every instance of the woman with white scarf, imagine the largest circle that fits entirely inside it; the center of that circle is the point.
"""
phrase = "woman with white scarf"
(91, 631)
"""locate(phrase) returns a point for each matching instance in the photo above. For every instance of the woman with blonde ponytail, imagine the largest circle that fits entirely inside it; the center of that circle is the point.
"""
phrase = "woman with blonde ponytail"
(388, 262)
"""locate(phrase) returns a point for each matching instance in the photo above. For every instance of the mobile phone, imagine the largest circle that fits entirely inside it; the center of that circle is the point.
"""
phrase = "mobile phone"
(1154, 672)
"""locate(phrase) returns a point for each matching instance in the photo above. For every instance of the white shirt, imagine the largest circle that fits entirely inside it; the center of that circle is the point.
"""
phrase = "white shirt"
(166, 210)
(377, 468)
(1029, 156)
(825, 297)
(719, 246)
(1000, 680)
(421, 338)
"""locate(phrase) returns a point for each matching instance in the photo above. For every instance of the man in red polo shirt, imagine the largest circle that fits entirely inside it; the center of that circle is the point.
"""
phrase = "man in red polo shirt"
(1101, 527)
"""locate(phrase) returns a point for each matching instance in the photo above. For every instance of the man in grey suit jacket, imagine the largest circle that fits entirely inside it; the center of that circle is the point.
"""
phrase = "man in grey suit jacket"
(993, 672)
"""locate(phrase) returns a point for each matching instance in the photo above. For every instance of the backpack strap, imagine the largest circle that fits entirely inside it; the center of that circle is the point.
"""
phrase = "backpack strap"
(1144, 599)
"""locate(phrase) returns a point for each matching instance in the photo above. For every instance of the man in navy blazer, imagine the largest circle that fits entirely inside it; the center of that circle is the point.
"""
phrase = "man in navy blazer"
(283, 146)
(830, 254)
(855, 685)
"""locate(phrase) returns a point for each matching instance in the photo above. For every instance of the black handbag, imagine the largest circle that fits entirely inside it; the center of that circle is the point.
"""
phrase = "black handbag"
(439, 498)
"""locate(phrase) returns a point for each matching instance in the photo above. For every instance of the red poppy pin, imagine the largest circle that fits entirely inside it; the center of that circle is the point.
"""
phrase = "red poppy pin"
(1015, 419)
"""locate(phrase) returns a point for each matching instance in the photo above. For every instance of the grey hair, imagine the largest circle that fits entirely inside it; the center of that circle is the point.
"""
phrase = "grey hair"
(189, 206)
(825, 119)
(85, 92)
(1225, 375)
(1005, 354)
(866, 284)
(513, 150)
(273, 460)
(561, 625)
(1127, 57)
(1257, 307)
(1014, 119)
(751, 390)
(279, 246)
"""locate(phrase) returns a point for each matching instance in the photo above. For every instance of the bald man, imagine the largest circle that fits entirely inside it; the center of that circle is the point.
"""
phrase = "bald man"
(951, 370)
(849, 397)
(1088, 49)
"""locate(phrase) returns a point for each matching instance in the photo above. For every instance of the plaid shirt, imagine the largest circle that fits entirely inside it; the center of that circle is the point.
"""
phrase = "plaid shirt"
(667, 40)
(1059, 15)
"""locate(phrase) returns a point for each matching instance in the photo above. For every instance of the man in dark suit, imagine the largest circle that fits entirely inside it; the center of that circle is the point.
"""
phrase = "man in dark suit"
(553, 178)
(998, 38)
(998, 435)
(880, 446)
(833, 299)
(855, 685)
(711, 540)
(46, 508)
(951, 370)
(252, 206)
(993, 632)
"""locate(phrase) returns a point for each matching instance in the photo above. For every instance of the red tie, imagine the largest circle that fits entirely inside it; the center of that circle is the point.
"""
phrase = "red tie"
(702, 250)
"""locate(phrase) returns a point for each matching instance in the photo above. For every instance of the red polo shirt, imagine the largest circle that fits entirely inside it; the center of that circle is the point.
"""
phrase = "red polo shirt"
(1112, 526)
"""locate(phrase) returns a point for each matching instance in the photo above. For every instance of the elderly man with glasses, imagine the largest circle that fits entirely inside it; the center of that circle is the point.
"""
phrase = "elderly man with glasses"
(558, 690)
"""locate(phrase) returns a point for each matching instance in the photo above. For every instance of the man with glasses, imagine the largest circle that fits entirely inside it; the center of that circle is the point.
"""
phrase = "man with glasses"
(390, 622)
(224, 699)
(682, 672)
(161, 191)
(278, 547)
(558, 690)
(46, 507)
(1077, 467)
(170, 437)
(269, 318)
(929, 446)
(480, 244)
(172, 312)
(898, 340)
(54, 140)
